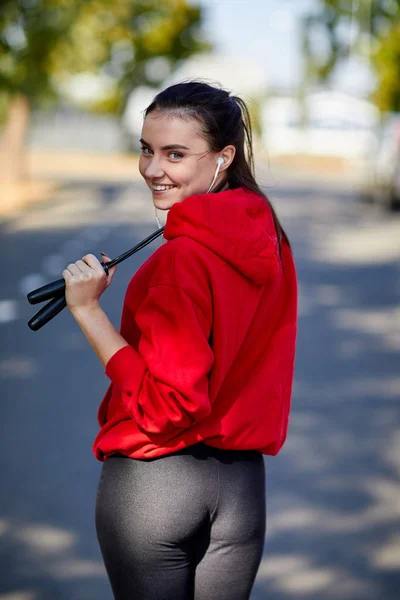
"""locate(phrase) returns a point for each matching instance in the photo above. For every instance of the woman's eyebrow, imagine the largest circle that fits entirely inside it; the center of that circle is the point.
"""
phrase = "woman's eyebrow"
(169, 147)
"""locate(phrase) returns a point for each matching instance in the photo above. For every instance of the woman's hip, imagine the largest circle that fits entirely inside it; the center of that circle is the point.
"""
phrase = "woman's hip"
(181, 490)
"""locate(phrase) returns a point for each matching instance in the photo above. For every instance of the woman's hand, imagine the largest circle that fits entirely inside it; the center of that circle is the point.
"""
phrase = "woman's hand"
(85, 281)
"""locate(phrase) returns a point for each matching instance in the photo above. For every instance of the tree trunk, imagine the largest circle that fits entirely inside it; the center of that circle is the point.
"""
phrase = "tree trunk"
(13, 163)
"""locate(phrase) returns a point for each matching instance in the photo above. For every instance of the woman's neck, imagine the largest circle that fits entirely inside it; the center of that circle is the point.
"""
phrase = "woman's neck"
(225, 186)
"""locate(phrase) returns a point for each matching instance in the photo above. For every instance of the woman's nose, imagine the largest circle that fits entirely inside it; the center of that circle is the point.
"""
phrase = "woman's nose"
(154, 169)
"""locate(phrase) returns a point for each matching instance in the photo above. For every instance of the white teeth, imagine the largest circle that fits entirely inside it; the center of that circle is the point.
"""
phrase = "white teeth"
(160, 188)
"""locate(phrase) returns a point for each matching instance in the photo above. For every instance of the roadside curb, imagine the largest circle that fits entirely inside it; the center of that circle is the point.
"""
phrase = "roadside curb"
(15, 197)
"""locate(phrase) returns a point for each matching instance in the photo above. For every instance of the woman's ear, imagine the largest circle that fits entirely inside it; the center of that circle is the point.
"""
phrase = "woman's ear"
(228, 154)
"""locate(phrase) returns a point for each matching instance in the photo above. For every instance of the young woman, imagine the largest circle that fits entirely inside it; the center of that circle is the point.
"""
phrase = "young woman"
(201, 371)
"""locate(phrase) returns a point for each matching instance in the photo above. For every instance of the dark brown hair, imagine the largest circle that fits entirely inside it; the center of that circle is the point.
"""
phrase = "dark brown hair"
(224, 120)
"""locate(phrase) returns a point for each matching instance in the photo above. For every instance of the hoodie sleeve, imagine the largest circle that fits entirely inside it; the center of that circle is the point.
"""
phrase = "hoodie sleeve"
(164, 385)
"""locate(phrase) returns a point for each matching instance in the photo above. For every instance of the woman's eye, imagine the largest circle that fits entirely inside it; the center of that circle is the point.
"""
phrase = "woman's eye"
(177, 155)
(174, 155)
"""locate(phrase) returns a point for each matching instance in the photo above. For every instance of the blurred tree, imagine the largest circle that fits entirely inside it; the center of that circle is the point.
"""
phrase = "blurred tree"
(386, 61)
(367, 28)
(43, 43)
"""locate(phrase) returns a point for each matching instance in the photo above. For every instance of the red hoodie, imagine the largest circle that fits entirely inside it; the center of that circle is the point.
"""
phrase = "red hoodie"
(211, 322)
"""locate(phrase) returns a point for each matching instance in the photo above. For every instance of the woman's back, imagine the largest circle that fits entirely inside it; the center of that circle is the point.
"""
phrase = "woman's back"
(216, 334)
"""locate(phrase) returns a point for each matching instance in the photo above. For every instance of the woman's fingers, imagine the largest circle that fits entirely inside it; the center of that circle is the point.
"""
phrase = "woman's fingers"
(86, 272)
(94, 263)
(106, 259)
(88, 264)
(73, 269)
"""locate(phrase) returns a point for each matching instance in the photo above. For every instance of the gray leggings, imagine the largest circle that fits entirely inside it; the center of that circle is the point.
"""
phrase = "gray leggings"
(185, 526)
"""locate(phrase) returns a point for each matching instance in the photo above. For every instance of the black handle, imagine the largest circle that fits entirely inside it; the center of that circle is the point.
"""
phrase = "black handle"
(46, 313)
(55, 289)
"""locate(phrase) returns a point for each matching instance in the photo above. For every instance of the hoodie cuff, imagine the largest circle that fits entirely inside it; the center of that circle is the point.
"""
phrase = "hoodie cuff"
(123, 365)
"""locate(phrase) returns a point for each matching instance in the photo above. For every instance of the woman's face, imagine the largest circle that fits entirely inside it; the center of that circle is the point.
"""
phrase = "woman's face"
(175, 155)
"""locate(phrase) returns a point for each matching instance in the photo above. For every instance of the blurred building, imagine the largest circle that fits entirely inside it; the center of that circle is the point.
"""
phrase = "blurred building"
(328, 123)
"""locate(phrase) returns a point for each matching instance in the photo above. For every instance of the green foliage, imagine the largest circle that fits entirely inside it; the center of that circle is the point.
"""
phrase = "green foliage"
(29, 31)
(387, 63)
(4, 104)
(43, 43)
(254, 106)
(375, 25)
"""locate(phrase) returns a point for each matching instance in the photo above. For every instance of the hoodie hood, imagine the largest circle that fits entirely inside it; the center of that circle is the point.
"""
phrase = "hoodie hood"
(237, 225)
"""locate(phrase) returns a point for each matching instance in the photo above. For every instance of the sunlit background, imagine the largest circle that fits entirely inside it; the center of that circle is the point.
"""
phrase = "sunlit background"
(322, 82)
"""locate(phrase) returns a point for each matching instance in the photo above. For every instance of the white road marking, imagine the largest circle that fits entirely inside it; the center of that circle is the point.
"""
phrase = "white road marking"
(8, 310)
(18, 367)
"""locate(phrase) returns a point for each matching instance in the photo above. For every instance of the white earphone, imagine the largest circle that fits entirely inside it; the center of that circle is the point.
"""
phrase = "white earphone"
(221, 161)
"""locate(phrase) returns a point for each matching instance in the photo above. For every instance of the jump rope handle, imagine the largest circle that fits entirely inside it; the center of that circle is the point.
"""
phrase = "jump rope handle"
(45, 314)
(55, 289)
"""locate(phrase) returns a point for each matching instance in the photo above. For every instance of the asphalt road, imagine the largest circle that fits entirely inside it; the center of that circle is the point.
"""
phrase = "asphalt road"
(333, 491)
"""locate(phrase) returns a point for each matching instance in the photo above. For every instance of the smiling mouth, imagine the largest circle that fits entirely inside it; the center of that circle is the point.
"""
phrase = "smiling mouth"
(162, 188)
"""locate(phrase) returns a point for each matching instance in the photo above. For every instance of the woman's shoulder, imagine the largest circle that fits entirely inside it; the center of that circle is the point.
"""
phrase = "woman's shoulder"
(185, 249)
(181, 261)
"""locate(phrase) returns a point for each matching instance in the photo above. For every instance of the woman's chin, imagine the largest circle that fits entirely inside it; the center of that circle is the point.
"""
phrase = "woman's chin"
(162, 204)
(165, 203)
